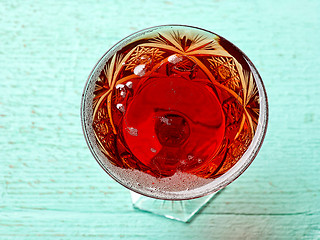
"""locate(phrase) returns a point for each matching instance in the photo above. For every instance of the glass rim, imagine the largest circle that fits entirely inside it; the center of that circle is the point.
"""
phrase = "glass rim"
(234, 172)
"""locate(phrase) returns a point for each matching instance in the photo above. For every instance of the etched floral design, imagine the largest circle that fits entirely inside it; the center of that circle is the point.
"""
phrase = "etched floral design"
(225, 70)
(187, 52)
(144, 56)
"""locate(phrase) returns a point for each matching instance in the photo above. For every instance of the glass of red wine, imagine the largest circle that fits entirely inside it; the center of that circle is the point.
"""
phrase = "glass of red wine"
(174, 113)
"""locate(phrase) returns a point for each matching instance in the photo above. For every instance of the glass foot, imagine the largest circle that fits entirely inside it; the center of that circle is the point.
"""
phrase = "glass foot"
(182, 211)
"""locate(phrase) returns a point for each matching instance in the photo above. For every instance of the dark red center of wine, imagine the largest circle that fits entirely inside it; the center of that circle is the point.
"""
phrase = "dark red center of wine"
(172, 130)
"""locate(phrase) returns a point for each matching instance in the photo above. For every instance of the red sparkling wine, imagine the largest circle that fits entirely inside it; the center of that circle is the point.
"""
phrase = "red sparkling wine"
(171, 115)
(176, 102)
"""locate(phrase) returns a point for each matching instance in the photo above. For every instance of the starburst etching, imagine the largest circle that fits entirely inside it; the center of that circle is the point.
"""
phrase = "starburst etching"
(250, 101)
(225, 70)
(101, 87)
(101, 128)
(101, 125)
(185, 65)
(235, 150)
(184, 43)
(144, 56)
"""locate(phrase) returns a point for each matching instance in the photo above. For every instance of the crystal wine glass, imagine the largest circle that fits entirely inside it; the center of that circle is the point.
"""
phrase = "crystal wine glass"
(174, 113)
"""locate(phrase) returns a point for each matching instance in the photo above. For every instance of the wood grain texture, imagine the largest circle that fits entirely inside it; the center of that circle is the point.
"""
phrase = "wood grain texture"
(52, 188)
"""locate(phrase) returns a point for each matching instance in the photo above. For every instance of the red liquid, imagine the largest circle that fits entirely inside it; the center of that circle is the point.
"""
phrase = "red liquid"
(175, 128)
(169, 116)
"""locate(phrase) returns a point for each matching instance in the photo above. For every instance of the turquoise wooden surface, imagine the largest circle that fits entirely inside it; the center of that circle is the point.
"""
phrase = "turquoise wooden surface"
(52, 188)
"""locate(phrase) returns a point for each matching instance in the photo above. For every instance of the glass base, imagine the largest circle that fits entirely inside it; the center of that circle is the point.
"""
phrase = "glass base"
(182, 211)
